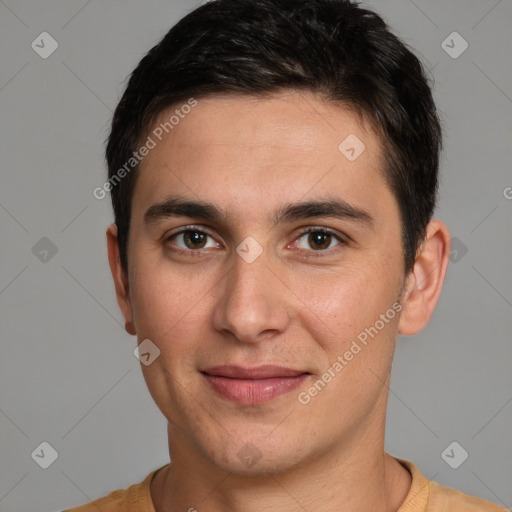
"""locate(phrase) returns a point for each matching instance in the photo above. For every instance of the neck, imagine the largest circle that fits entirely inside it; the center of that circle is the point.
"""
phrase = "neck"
(356, 478)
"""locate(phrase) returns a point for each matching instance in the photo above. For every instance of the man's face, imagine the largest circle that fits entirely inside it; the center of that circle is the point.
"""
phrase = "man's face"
(242, 290)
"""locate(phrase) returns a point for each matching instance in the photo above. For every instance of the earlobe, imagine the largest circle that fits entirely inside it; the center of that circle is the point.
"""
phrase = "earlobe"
(120, 278)
(424, 283)
(129, 327)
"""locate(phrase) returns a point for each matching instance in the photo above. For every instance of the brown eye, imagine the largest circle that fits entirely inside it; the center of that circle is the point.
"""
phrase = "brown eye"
(318, 240)
(194, 239)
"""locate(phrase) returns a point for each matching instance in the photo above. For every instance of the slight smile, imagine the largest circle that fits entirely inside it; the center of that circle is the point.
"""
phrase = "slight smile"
(253, 386)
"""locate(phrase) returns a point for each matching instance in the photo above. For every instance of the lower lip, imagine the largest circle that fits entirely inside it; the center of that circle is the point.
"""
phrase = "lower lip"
(254, 391)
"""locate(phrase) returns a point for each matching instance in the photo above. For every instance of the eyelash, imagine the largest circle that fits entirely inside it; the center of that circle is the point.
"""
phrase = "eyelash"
(312, 229)
(198, 252)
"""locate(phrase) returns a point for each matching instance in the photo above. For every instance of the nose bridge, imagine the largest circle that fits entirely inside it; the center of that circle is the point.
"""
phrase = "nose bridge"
(249, 276)
(251, 302)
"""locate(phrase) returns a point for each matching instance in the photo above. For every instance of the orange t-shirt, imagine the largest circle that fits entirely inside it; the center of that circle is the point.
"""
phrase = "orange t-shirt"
(424, 496)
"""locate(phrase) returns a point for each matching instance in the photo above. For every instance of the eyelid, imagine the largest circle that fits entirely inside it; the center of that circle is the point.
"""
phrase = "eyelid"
(190, 227)
(183, 229)
(342, 238)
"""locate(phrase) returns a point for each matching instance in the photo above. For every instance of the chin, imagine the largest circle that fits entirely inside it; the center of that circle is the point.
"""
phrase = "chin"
(257, 455)
(251, 461)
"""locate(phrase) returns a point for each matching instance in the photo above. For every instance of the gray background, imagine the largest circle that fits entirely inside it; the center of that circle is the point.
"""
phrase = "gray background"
(67, 372)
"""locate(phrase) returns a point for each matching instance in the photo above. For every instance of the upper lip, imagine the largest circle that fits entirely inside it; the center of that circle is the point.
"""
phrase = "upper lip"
(257, 372)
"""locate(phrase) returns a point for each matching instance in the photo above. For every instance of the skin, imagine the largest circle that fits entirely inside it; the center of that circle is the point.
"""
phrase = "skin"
(297, 305)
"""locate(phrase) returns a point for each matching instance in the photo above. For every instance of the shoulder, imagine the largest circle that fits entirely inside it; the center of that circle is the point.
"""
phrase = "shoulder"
(113, 502)
(429, 496)
(445, 499)
(136, 498)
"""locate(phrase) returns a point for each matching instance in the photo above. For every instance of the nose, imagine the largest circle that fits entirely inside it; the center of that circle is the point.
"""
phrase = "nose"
(252, 303)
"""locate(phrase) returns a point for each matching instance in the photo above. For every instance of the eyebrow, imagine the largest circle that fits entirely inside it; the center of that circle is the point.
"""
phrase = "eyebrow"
(331, 207)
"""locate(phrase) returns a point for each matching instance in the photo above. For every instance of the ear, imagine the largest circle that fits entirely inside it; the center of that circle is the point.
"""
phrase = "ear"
(423, 284)
(121, 282)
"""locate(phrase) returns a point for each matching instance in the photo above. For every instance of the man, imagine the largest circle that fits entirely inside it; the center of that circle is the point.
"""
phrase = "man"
(273, 170)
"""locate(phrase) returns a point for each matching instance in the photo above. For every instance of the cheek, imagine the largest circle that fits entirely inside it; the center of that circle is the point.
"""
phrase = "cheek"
(342, 305)
(173, 309)
(357, 339)
(170, 313)
(163, 299)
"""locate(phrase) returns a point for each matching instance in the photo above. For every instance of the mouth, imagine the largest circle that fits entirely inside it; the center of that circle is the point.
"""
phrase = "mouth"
(253, 386)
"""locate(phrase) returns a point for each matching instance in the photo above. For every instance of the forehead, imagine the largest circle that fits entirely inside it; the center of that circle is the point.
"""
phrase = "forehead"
(253, 150)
